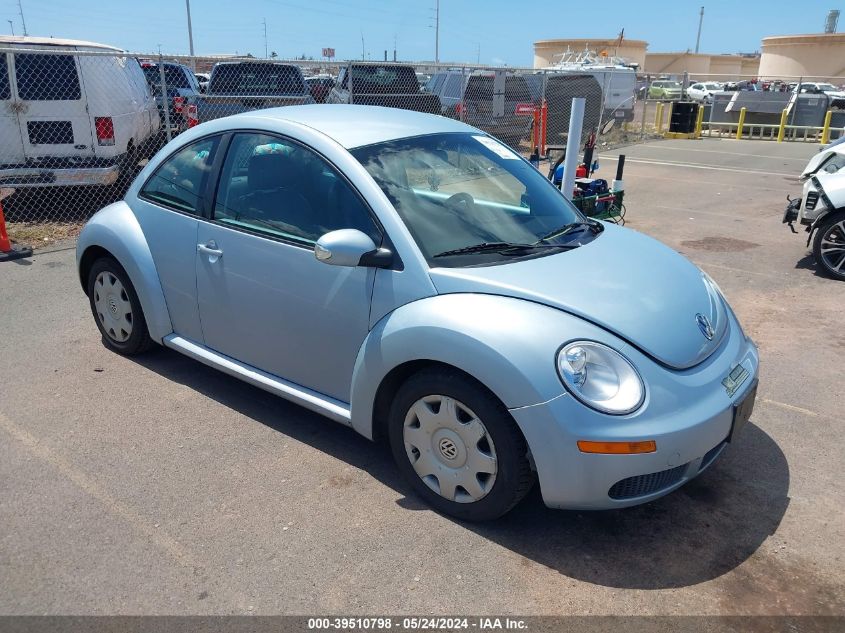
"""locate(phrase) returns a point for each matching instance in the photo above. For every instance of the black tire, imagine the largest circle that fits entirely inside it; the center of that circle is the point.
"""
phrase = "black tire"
(831, 228)
(139, 340)
(514, 476)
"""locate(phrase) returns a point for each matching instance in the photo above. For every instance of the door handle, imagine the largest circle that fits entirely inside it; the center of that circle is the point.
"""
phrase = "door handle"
(210, 249)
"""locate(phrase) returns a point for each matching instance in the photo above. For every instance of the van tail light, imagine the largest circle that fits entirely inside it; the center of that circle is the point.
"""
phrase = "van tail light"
(459, 108)
(105, 130)
(178, 104)
(191, 115)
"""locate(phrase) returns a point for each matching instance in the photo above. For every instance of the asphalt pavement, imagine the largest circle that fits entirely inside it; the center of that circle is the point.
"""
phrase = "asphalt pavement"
(156, 485)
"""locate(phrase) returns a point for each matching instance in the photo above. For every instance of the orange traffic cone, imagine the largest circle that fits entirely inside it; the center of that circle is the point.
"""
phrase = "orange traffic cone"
(9, 251)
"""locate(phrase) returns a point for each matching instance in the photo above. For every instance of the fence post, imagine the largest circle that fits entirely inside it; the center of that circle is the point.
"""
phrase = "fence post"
(573, 146)
(782, 128)
(826, 129)
(165, 101)
(645, 106)
(741, 124)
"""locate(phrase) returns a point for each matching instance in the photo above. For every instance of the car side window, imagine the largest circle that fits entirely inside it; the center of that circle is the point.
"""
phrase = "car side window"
(279, 188)
(5, 93)
(180, 181)
(47, 77)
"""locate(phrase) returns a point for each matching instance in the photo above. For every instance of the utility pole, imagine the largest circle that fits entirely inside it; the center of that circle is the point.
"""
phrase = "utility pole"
(11, 26)
(698, 38)
(23, 22)
(190, 35)
(363, 55)
(437, 32)
(478, 53)
(265, 38)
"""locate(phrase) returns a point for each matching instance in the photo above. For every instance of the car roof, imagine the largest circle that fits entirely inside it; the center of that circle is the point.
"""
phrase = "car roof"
(358, 125)
(6, 40)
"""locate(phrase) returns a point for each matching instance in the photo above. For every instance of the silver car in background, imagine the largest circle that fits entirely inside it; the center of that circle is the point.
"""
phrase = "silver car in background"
(413, 278)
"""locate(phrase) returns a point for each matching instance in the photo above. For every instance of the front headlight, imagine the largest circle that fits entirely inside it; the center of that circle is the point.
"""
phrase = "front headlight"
(600, 377)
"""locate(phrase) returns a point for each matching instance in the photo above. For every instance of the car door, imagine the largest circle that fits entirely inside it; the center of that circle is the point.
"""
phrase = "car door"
(51, 104)
(167, 207)
(11, 143)
(264, 299)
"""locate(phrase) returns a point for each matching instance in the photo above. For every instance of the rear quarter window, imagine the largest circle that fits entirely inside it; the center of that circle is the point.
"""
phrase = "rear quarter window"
(47, 77)
(180, 181)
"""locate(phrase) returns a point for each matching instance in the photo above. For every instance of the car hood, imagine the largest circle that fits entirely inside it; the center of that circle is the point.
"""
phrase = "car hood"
(623, 281)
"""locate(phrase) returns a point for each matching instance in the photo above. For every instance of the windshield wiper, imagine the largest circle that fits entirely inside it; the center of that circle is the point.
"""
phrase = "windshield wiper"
(505, 248)
(572, 227)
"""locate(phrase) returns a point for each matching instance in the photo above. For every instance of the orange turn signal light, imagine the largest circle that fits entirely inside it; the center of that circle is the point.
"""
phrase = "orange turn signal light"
(617, 448)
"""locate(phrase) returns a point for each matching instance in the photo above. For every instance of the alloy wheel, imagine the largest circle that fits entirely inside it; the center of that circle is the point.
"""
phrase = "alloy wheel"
(833, 248)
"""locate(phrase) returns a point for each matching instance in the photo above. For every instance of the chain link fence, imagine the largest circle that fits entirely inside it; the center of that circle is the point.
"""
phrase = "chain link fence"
(76, 126)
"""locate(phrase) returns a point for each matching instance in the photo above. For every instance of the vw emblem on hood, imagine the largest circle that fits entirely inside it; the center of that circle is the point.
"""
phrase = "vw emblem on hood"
(704, 326)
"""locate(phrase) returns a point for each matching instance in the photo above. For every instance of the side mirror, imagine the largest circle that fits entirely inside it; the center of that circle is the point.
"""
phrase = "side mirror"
(351, 247)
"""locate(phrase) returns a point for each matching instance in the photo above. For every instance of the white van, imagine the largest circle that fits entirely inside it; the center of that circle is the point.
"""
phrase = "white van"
(67, 118)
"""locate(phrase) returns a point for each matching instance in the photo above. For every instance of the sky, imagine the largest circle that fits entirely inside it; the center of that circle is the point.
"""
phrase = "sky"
(485, 31)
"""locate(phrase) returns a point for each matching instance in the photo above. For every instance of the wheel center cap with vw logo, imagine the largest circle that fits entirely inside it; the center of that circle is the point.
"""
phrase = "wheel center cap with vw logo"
(448, 448)
(705, 326)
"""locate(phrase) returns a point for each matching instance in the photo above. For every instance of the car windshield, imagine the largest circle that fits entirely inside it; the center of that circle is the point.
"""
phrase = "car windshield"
(464, 191)
(826, 87)
(713, 86)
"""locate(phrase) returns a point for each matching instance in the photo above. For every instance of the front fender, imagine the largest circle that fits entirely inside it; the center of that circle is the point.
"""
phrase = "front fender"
(115, 229)
(507, 344)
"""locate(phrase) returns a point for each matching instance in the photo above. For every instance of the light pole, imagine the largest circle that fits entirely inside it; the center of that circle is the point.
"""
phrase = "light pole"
(11, 26)
(23, 22)
(698, 37)
(265, 38)
(437, 32)
(190, 35)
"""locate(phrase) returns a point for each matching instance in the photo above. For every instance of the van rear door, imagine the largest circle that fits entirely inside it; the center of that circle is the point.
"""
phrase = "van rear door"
(11, 144)
(52, 108)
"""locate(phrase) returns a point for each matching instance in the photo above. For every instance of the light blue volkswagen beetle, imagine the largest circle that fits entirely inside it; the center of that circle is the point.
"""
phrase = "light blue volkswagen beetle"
(412, 277)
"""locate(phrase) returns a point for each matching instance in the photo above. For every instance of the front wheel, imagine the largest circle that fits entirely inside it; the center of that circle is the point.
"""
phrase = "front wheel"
(458, 446)
(829, 245)
(116, 308)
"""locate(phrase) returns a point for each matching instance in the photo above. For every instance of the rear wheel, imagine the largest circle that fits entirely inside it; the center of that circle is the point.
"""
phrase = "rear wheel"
(829, 245)
(116, 308)
(458, 446)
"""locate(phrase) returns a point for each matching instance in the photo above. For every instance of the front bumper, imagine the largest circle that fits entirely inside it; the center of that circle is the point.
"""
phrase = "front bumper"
(22, 177)
(687, 413)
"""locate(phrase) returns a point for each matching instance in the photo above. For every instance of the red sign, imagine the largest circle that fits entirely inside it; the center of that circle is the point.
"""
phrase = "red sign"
(328, 52)
(524, 109)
